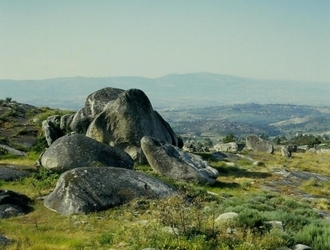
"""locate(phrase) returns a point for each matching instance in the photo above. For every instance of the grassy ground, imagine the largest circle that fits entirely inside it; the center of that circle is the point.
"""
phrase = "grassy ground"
(190, 223)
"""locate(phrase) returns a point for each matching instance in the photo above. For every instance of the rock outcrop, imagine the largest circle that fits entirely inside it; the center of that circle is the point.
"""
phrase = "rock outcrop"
(76, 150)
(90, 189)
(255, 143)
(124, 122)
(168, 160)
(17, 130)
(13, 204)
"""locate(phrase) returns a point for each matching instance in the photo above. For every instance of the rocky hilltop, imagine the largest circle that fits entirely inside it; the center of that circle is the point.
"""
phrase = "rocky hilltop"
(17, 131)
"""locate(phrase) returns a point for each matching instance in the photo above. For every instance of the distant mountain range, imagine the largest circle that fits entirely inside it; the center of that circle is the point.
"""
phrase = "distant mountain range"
(170, 92)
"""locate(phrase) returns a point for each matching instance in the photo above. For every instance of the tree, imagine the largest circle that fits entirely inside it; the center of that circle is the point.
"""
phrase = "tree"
(229, 138)
(8, 99)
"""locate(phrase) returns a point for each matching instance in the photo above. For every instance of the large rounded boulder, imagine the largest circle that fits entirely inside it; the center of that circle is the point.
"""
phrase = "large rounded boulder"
(130, 117)
(90, 189)
(168, 160)
(76, 150)
(94, 105)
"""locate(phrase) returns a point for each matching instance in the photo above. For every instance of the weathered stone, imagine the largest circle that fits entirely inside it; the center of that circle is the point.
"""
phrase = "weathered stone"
(9, 173)
(255, 143)
(76, 150)
(13, 204)
(84, 190)
(130, 117)
(170, 161)
(94, 105)
(231, 147)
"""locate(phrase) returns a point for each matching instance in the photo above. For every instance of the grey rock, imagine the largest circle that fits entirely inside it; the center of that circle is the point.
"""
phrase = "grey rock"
(51, 129)
(130, 117)
(84, 190)
(66, 121)
(13, 204)
(255, 143)
(231, 147)
(9, 173)
(301, 247)
(168, 160)
(258, 164)
(4, 240)
(218, 156)
(286, 151)
(171, 230)
(11, 150)
(226, 217)
(277, 225)
(94, 105)
(76, 150)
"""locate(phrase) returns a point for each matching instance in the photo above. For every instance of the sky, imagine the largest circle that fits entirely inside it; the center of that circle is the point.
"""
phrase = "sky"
(266, 39)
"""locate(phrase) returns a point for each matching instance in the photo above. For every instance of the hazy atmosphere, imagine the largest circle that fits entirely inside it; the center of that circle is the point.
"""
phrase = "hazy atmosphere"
(256, 39)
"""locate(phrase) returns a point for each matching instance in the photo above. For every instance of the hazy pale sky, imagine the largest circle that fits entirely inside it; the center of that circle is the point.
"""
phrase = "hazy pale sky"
(274, 39)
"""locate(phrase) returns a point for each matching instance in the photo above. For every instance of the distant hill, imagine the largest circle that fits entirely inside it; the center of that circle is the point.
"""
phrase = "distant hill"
(245, 119)
(169, 92)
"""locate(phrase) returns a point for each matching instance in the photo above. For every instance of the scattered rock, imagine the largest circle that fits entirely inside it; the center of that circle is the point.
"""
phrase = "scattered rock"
(168, 160)
(130, 117)
(76, 150)
(9, 173)
(255, 143)
(90, 189)
(13, 204)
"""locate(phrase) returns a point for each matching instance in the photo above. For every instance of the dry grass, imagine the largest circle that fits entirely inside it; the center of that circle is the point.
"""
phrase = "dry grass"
(131, 227)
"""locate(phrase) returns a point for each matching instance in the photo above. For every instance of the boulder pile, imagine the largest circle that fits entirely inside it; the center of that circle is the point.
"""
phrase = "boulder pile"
(114, 130)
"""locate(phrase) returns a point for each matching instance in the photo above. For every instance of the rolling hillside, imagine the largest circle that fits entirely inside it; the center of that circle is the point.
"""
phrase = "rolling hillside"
(169, 92)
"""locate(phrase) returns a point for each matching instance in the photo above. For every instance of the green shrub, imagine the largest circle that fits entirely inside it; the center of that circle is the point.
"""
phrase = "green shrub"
(106, 239)
(315, 235)
(40, 144)
(251, 219)
(44, 179)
